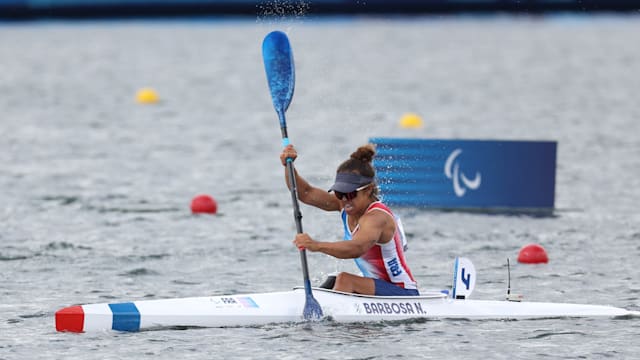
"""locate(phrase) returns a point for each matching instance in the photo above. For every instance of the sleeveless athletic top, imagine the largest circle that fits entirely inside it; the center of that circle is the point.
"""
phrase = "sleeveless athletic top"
(383, 261)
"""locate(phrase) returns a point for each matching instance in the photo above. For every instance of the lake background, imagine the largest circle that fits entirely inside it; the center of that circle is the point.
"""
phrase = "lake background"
(96, 188)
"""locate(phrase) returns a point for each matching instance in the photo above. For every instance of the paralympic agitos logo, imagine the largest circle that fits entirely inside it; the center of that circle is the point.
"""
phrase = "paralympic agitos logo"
(460, 182)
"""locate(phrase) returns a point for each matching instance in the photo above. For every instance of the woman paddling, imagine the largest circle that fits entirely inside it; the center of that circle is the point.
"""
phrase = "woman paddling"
(373, 236)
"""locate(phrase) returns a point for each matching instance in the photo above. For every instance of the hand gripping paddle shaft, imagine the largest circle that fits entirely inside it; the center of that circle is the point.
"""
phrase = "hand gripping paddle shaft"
(278, 64)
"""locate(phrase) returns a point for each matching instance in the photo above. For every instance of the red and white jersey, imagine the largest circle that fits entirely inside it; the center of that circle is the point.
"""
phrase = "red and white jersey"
(383, 261)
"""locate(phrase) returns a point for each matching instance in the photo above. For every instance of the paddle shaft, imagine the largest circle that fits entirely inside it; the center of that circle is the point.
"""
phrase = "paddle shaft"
(297, 214)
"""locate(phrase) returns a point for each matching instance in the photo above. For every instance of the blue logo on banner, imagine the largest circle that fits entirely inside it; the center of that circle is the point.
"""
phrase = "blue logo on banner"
(460, 182)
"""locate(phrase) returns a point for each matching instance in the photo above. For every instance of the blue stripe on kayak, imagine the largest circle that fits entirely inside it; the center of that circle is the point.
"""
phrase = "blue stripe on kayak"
(126, 317)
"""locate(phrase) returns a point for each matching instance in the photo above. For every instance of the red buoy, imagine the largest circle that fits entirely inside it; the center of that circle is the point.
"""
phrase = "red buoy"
(203, 204)
(533, 254)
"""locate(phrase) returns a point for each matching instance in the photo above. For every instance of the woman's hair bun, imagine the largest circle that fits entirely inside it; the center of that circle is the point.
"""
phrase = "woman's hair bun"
(365, 153)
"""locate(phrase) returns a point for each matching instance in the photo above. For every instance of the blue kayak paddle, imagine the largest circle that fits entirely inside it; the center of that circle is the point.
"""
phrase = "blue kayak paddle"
(278, 63)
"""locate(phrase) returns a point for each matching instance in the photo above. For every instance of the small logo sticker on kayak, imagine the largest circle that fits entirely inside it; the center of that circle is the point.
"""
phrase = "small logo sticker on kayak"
(247, 302)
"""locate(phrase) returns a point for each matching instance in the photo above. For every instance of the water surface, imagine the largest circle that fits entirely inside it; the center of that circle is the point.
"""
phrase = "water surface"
(96, 188)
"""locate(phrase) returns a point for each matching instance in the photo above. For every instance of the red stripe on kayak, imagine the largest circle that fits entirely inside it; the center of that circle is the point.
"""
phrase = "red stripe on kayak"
(70, 319)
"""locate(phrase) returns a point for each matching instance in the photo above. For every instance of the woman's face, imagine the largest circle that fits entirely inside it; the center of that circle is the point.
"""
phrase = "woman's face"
(356, 202)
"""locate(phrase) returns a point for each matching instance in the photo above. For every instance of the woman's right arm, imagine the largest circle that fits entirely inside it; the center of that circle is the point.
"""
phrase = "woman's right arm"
(307, 193)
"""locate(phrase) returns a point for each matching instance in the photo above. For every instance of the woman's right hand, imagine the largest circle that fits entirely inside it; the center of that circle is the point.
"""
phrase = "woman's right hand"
(288, 152)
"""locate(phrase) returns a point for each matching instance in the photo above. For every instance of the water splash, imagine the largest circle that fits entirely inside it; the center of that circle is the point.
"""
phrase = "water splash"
(276, 11)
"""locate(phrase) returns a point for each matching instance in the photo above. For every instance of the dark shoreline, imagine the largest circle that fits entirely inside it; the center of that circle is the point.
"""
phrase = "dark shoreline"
(24, 10)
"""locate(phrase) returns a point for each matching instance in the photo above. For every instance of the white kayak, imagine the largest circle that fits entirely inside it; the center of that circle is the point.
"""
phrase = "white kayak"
(287, 306)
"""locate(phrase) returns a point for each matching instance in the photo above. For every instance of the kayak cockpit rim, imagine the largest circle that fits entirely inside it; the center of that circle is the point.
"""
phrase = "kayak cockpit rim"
(424, 295)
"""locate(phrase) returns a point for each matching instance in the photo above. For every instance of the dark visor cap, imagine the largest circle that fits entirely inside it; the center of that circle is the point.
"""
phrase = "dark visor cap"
(348, 182)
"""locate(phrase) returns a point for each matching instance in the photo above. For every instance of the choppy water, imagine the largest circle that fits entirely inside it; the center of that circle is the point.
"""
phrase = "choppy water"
(96, 188)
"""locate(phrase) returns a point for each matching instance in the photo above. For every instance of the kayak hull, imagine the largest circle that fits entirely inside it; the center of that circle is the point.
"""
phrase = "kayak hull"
(287, 306)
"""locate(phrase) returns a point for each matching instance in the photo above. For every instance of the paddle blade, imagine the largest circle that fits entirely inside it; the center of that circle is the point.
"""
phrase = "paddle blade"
(312, 310)
(278, 63)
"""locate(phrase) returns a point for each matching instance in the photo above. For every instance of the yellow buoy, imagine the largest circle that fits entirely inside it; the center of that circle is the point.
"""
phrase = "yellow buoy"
(411, 120)
(147, 96)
